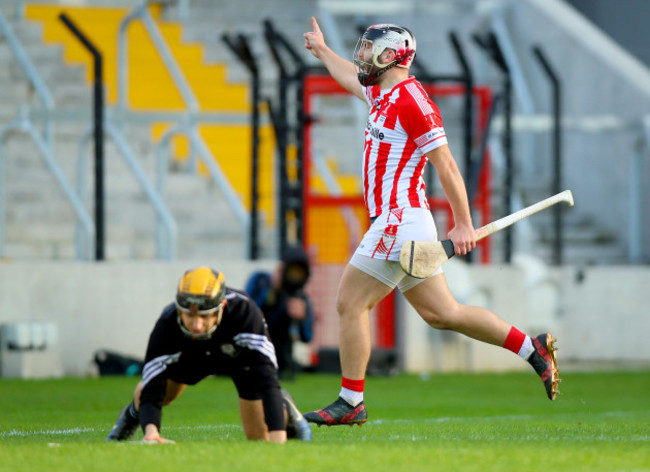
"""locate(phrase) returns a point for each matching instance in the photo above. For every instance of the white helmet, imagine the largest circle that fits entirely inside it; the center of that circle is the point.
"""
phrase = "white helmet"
(377, 39)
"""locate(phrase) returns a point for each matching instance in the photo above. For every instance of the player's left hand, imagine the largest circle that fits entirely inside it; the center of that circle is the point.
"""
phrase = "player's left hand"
(160, 440)
(152, 436)
(464, 239)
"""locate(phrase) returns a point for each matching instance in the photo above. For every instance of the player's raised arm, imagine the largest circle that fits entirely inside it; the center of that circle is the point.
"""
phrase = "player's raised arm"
(342, 70)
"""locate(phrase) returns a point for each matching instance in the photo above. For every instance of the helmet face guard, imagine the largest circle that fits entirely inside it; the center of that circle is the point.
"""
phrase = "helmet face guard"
(203, 336)
(373, 43)
(205, 288)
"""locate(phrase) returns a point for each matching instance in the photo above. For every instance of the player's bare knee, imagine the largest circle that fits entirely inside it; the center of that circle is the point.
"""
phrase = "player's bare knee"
(345, 309)
(256, 436)
(437, 320)
(170, 397)
(256, 432)
(136, 395)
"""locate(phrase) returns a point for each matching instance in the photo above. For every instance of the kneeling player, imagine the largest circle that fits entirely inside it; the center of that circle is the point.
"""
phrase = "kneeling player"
(212, 330)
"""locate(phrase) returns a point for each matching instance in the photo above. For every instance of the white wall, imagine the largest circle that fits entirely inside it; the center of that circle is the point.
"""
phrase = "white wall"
(606, 313)
(597, 314)
(109, 305)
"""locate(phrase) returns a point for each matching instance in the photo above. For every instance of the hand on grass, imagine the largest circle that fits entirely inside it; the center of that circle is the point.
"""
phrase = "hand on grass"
(152, 436)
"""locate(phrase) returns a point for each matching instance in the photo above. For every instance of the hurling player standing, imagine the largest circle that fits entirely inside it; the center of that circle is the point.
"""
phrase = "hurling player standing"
(403, 132)
(211, 329)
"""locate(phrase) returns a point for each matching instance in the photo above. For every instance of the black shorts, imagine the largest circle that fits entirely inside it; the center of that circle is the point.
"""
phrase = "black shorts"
(247, 380)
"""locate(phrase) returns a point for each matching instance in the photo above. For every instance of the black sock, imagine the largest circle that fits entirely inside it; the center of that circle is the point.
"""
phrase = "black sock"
(132, 412)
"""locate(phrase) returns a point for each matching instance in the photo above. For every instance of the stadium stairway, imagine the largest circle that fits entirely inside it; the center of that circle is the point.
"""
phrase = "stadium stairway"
(206, 225)
(36, 212)
(220, 83)
(151, 88)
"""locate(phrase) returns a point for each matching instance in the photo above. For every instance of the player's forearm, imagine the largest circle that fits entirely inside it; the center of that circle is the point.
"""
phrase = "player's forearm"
(273, 406)
(341, 70)
(457, 196)
(150, 414)
(455, 190)
(265, 377)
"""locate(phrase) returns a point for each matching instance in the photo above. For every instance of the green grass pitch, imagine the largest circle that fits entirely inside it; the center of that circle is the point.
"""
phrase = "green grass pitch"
(447, 422)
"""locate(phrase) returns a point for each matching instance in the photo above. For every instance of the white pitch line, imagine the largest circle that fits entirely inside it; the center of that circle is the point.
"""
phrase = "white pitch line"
(46, 432)
(74, 431)
(443, 419)
(466, 419)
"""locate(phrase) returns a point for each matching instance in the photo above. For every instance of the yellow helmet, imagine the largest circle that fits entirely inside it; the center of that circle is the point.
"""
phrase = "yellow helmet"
(204, 287)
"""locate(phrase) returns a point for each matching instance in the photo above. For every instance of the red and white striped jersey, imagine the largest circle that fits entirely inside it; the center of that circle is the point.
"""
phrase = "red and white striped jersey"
(402, 126)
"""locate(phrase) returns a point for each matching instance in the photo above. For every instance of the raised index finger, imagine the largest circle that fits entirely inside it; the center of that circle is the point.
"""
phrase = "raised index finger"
(314, 25)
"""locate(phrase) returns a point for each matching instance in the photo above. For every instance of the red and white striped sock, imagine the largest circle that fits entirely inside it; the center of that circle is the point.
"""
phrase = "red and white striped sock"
(352, 390)
(519, 343)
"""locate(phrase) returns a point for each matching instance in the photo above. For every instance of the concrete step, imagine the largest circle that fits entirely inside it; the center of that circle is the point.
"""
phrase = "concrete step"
(40, 222)
(208, 28)
(28, 176)
(43, 210)
(28, 32)
(188, 197)
(73, 94)
(232, 11)
(38, 53)
(119, 246)
(24, 167)
(50, 73)
(585, 254)
(40, 232)
(18, 250)
(63, 73)
(585, 241)
(573, 253)
(578, 235)
(15, 92)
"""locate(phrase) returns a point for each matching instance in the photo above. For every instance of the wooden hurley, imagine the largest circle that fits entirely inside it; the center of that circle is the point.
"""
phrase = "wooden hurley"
(421, 259)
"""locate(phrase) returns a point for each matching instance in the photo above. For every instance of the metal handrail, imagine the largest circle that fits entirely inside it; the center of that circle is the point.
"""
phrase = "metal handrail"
(85, 225)
(98, 122)
(218, 177)
(189, 98)
(24, 125)
(141, 12)
(520, 85)
(161, 171)
(165, 248)
(557, 185)
(33, 77)
(635, 239)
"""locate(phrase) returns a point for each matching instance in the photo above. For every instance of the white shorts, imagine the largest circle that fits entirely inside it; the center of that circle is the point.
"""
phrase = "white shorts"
(378, 253)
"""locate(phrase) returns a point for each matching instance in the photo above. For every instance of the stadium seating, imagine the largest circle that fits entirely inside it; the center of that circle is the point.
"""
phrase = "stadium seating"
(42, 226)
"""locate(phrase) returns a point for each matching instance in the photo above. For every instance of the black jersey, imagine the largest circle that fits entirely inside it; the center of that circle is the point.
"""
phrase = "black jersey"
(240, 348)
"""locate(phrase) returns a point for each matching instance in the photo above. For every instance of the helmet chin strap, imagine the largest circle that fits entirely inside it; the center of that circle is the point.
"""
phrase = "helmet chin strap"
(371, 79)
